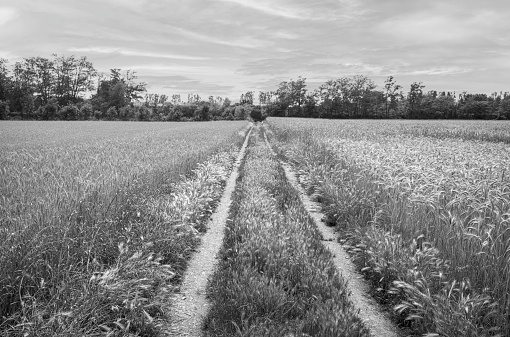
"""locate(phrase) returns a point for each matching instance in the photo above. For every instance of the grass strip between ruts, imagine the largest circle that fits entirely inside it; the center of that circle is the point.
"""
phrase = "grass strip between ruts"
(275, 277)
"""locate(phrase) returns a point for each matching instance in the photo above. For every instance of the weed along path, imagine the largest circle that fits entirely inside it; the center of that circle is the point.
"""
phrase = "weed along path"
(190, 305)
(370, 312)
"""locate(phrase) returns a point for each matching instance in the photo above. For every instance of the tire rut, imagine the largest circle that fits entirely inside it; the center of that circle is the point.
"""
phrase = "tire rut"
(370, 312)
(190, 305)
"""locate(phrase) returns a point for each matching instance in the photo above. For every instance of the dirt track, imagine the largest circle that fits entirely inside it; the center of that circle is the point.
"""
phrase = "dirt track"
(369, 310)
(190, 304)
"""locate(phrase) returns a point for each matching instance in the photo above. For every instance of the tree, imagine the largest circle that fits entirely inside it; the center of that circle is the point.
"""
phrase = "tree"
(298, 91)
(504, 107)
(5, 80)
(256, 114)
(194, 98)
(414, 98)
(49, 111)
(69, 113)
(118, 90)
(36, 77)
(134, 90)
(247, 98)
(474, 106)
(391, 95)
(176, 99)
(333, 97)
(444, 105)
(86, 111)
(202, 113)
(240, 112)
(111, 113)
(359, 86)
(4, 110)
(73, 78)
(118, 95)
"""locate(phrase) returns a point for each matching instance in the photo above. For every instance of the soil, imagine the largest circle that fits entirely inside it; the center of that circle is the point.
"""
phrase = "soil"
(190, 305)
(370, 312)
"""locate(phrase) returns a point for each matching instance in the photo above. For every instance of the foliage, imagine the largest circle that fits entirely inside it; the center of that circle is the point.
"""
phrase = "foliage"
(51, 89)
(68, 112)
(117, 91)
(4, 110)
(356, 97)
(86, 112)
(256, 114)
(246, 98)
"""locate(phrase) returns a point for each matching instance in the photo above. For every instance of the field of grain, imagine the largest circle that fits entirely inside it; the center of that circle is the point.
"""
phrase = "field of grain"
(424, 207)
(81, 198)
(98, 221)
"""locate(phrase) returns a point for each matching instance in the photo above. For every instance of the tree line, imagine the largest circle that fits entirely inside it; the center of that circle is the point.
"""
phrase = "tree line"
(70, 88)
(357, 97)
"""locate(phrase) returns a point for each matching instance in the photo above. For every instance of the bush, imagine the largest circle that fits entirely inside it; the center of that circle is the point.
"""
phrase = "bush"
(111, 113)
(98, 114)
(48, 111)
(86, 111)
(4, 110)
(69, 113)
(256, 114)
(239, 112)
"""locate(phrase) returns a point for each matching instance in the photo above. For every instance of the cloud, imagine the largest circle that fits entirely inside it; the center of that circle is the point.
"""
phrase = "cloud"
(7, 14)
(271, 8)
(440, 71)
(128, 52)
(135, 5)
(232, 46)
(183, 85)
(246, 42)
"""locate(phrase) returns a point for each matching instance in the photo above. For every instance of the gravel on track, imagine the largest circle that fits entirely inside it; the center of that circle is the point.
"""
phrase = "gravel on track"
(190, 305)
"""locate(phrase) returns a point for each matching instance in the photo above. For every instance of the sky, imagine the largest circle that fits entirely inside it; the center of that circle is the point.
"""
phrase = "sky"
(227, 47)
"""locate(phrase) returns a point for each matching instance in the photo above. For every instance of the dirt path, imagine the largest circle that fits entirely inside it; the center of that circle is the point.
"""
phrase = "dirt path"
(370, 311)
(190, 305)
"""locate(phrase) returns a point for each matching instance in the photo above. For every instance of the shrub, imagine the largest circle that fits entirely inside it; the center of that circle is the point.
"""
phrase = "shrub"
(86, 112)
(111, 113)
(4, 110)
(69, 113)
(256, 114)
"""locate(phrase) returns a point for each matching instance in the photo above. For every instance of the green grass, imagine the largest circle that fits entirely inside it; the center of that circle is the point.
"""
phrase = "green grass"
(275, 278)
(426, 213)
(95, 217)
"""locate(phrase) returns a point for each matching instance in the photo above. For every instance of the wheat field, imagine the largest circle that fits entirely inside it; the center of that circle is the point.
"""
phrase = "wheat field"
(423, 206)
(76, 196)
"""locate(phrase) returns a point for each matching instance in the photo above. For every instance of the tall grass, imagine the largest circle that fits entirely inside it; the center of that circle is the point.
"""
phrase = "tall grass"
(427, 217)
(78, 199)
(275, 278)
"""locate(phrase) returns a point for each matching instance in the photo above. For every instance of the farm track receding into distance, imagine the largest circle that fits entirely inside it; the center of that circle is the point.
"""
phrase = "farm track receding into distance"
(191, 306)
(99, 223)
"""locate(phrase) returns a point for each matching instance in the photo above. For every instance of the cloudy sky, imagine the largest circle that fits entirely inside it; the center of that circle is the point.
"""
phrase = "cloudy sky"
(227, 47)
